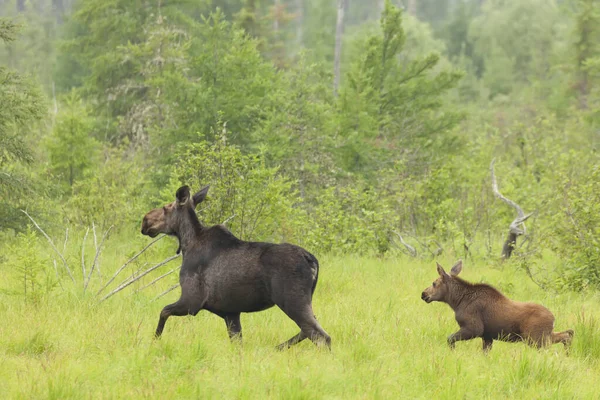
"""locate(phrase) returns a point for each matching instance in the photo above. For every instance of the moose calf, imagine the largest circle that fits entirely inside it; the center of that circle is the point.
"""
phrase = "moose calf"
(482, 311)
(227, 276)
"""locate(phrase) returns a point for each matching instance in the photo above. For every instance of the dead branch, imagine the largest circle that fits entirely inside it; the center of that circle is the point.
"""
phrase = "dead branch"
(158, 279)
(228, 219)
(83, 254)
(411, 250)
(95, 240)
(137, 278)
(127, 263)
(57, 276)
(98, 249)
(165, 292)
(66, 239)
(513, 230)
(51, 244)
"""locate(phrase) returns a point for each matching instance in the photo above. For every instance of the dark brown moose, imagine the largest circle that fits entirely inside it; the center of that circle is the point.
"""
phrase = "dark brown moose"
(482, 311)
(228, 276)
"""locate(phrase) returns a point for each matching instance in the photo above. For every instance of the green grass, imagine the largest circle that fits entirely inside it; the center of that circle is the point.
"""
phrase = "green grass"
(387, 343)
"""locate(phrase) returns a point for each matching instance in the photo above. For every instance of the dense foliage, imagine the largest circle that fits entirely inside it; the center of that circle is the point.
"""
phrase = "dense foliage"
(107, 106)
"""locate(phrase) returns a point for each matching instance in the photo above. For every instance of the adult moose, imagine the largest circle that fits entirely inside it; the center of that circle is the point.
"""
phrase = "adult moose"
(228, 276)
(482, 311)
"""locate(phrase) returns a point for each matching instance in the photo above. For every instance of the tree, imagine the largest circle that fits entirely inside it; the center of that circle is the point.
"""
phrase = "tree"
(21, 106)
(339, 33)
(587, 48)
(395, 106)
(71, 145)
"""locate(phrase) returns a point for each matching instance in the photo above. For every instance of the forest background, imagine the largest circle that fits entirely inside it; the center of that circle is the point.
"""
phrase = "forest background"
(349, 127)
(362, 130)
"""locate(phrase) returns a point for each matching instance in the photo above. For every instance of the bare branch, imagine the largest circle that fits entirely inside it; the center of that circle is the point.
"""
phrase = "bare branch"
(83, 254)
(499, 195)
(127, 263)
(137, 278)
(165, 292)
(98, 249)
(514, 230)
(228, 219)
(411, 250)
(66, 239)
(95, 240)
(51, 244)
(158, 279)
(57, 276)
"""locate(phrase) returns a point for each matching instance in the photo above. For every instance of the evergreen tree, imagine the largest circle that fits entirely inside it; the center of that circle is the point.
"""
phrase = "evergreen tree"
(21, 106)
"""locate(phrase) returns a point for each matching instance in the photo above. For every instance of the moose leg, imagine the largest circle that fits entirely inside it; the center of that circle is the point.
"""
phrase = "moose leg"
(178, 308)
(295, 340)
(183, 306)
(565, 337)
(309, 327)
(464, 333)
(487, 344)
(234, 327)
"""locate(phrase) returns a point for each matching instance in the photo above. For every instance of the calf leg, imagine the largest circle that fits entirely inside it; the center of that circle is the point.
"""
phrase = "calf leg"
(234, 327)
(464, 333)
(565, 337)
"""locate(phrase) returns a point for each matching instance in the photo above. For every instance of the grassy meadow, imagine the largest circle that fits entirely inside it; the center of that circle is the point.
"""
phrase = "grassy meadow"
(387, 342)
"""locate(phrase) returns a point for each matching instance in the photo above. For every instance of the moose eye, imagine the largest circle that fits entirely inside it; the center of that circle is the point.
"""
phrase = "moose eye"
(433, 284)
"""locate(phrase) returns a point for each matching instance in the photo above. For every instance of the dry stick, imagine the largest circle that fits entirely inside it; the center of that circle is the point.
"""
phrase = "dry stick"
(51, 244)
(228, 219)
(83, 255)
(158, 279)
(130, 281)
(57, 276)
(412, 250)
(98, 249)
(513, 230)
(127, 263)
(95, 243)
(165, 292)
(521, 217)
(66, 239)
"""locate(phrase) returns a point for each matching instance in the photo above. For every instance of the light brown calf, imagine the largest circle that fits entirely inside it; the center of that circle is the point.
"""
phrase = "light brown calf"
(482, 311)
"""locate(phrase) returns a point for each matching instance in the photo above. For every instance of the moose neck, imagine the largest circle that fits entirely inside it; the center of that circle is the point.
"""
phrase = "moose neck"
(188, 230)
(457, 291)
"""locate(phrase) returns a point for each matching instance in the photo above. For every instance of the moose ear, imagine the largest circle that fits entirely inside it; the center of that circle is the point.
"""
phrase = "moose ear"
(200, 195)
(441, 271)
(456, 268)
(182, 195)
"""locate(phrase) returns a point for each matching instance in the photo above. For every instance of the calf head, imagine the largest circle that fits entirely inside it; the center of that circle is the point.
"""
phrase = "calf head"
(439, 289)
(168, 219)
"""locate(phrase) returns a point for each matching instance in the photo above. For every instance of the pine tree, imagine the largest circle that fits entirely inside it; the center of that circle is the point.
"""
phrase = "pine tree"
(21, 105)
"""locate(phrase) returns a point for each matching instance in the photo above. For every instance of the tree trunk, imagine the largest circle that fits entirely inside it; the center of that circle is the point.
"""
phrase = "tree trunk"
(339, 33)
(276, 17)
(20, 5)
(509, 245)
(58, 8)
(300, 23)
(412, 7)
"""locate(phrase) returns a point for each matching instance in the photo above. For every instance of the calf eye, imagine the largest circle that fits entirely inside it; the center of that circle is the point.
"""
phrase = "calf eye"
(433, 284)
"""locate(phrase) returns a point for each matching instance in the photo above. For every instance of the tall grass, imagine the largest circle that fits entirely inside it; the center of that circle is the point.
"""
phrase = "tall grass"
(387, 343)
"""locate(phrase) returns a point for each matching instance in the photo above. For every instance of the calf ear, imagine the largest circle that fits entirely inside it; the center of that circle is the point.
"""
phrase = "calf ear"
(441, 271)
(456, 268)
(200, 195)
(182, 195)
